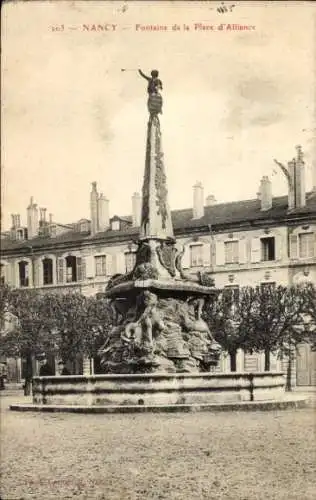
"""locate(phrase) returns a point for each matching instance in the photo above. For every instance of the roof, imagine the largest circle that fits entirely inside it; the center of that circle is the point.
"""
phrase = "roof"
(217, 216)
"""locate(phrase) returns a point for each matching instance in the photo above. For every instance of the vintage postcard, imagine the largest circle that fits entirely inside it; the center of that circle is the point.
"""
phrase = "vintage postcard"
(158, 250)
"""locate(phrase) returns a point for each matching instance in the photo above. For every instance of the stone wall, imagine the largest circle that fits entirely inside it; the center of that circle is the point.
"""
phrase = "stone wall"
(158, 389)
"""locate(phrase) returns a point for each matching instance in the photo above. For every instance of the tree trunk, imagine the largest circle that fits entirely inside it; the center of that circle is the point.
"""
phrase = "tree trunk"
(267, 360)
(288, 386)
(28, 375)
(233, 361)
(27, 386)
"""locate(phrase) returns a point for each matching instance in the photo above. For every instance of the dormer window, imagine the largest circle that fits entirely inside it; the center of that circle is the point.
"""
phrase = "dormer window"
(20, 234)
(53, 230)
(115, 225)
(84, 227)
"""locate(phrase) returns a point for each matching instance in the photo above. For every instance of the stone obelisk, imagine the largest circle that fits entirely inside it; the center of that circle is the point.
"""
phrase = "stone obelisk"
(155, 218)
(156, 238)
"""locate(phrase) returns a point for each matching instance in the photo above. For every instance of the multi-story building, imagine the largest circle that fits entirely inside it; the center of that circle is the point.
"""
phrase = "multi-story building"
(260, 241)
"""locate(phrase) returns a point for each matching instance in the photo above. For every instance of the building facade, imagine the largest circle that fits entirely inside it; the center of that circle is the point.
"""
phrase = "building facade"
(263, 241)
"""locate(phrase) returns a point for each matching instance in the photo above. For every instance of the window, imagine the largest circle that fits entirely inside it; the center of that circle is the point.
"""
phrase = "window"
(53, 230)
(130, 260)
(231, 293)
(265, 287)
(20, 234)
(196, 255)
(231, 252)
(71, 269)
(268, 248)
(100, 265)
(84, 227)
(24, 273)
(47, 271)
(115, 225)
(306, 245)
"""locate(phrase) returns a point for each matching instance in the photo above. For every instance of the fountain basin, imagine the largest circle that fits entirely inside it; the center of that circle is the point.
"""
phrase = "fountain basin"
(162, 389)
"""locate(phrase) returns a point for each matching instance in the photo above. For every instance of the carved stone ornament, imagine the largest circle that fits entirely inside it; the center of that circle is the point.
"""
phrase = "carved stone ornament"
(160, 180)
(167, 257)
(159, 334)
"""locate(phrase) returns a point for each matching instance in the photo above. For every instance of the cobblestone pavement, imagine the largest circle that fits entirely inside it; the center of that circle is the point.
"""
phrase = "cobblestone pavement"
(233, 456)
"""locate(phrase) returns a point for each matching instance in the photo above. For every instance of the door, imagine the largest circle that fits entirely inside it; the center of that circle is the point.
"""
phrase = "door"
(305, 365)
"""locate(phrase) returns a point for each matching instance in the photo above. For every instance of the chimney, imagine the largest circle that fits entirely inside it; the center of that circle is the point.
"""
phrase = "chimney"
(296, 180)
(259, 192)
(265, 193)
(42, 214)
(14, 225)
(103, 213)
(32, 220)
(291, 171)
(136, 209)
(314, 161)
(300, 192)
(210, 200)
(198, 201)
(94, 209)
(50, 218)
(16, 221)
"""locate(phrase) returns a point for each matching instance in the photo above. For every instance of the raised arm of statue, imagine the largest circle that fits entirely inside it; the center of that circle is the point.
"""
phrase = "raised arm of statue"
(144, 76)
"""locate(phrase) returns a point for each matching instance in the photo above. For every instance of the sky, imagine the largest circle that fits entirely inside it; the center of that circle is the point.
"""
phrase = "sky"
(233, 100)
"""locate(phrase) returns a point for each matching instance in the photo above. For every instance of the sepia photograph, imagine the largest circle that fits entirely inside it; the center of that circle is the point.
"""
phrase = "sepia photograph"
(158, 250)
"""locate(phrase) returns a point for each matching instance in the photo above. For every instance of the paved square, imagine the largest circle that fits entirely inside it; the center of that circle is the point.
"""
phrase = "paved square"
(246, 456)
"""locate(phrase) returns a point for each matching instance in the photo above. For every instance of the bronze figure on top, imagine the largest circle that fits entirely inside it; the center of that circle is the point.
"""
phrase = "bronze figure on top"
(154, 87)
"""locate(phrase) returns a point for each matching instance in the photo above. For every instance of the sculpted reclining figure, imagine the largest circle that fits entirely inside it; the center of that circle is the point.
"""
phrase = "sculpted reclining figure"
(141, 331)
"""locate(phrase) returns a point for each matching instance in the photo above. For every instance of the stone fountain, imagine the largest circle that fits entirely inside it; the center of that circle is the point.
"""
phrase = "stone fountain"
(158, 309)
(160, 353)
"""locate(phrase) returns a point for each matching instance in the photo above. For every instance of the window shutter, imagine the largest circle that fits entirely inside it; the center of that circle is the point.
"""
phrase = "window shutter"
(255, 250)
(90, 268)
(60, 270)
(120, 263)
(109, 264)
(16, 275)
(279, 250)
(40, 266)
(38, 272)
(4, 272)
(185, 262)
(220, 253)
(293, 246)
(243, 252)
(206, 254)
(7, 272)
(81, 269)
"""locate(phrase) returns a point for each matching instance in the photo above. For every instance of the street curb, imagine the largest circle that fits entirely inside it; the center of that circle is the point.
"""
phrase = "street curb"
(290, 403)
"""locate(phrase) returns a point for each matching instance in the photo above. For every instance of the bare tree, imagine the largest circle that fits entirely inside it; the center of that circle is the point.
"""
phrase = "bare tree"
(228, 316)
(28, 336)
